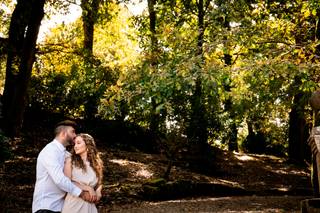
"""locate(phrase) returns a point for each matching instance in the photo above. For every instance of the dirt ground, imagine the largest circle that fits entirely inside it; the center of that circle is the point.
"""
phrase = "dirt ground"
(267, 183)
(252, 204)
(273, 185)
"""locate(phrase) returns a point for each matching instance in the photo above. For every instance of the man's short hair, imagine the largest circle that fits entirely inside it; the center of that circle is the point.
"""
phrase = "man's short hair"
(61, 125)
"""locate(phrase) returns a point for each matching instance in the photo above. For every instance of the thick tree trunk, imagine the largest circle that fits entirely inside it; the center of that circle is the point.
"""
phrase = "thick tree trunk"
(23, 33)
(89, 18)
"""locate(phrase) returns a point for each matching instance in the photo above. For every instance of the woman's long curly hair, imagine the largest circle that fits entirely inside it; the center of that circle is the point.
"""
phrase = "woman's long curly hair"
(93, 157)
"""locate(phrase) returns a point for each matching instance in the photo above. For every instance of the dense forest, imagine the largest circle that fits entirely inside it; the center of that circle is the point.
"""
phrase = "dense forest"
(191, 75)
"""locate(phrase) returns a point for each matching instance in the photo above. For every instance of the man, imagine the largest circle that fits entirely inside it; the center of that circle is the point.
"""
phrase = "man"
(51, 183)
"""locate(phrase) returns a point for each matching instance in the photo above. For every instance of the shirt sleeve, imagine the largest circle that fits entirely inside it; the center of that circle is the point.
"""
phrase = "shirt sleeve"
(55, 170)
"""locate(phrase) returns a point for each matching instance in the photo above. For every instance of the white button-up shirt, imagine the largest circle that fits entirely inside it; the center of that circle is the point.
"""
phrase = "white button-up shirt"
(51, 183)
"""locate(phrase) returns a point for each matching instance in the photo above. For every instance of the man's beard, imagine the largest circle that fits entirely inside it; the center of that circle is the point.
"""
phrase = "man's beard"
(69, 140)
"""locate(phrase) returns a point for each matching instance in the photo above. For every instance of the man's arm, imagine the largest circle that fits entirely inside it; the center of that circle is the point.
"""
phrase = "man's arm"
(50, 161)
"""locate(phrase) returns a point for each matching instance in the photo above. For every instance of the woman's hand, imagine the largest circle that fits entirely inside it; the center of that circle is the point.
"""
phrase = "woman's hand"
(99, 195)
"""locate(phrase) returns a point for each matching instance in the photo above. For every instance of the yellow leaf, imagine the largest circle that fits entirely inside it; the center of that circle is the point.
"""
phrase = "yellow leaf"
(306, 13)
(119, 83)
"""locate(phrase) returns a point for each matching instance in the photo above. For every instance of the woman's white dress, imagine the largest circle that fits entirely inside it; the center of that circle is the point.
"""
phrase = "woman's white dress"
(76, 204)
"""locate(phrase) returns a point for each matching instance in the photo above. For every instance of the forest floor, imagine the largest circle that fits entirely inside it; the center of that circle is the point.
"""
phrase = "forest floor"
(266, 183)
(233, 182)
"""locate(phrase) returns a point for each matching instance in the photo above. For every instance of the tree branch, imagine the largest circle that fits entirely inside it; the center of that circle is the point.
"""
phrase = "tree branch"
(56, 47)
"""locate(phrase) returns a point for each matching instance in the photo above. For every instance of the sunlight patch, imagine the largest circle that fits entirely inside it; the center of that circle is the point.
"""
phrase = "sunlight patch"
(245, 157)
(120, 162)
(229, 182)
(136, 169)
(144, 173)
(283, 189)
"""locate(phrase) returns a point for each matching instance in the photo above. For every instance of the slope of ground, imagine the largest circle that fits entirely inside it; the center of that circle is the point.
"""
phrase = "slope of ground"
(269, 184)
(237, 183)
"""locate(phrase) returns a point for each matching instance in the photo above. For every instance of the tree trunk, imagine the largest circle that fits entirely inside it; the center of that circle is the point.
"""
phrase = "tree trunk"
(89, 17)
(152, 27)
(23, 33)
(297, 131)
(155, 116)
(197, 130)
(233, 130)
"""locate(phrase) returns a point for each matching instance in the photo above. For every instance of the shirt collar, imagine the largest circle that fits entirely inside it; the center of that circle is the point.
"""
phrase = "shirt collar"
(59, 145)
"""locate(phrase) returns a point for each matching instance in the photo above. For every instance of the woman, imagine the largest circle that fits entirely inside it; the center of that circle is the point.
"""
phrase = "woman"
(85, 168)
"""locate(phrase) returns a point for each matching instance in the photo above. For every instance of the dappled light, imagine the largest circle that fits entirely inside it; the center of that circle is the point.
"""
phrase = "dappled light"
(245, 158)
(194, 106)
(126, 172)
(279, 170)
(138, 170)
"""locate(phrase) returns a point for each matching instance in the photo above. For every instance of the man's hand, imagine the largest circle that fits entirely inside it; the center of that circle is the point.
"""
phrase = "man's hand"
(85, 195)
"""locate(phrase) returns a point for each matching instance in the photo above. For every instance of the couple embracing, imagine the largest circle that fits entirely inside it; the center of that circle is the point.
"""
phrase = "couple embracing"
(68, 182)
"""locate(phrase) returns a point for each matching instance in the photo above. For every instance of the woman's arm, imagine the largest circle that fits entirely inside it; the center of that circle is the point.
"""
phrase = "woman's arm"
(99, 192)
(68, 172)
(68, 168)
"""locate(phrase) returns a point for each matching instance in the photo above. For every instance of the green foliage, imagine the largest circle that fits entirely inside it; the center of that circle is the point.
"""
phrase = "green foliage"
(62, 82)
(271, 45)
(6, 8)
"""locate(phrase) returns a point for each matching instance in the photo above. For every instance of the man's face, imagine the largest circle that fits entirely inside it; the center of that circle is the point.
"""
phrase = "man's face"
(70, 136)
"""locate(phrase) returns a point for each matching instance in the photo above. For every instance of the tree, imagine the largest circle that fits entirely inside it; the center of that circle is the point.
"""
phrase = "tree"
(23, 33)
(154, 60)
(63, 83)
(89, 17)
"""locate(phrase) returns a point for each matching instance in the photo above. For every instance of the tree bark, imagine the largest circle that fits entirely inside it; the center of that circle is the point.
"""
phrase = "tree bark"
(89, 18)
(152, 22)
(23, 34)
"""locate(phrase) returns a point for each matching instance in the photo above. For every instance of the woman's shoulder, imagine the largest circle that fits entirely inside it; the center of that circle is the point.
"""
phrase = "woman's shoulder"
(67, 155)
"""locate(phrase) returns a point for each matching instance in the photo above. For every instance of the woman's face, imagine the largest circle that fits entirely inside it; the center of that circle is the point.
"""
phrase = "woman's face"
(80, 146)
